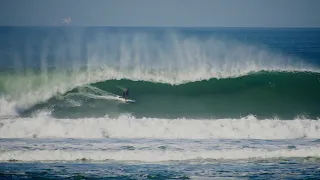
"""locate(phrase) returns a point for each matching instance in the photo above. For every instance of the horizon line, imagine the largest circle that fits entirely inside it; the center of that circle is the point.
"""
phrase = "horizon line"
(123, 26)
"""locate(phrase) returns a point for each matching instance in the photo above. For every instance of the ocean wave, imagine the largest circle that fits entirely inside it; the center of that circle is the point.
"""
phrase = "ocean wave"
(213, 98)
(172, 59)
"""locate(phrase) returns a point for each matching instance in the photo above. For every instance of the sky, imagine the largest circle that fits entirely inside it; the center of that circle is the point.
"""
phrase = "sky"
(161, 13)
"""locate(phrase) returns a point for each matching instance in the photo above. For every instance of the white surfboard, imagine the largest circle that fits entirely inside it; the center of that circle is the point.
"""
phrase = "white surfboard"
(125, 100)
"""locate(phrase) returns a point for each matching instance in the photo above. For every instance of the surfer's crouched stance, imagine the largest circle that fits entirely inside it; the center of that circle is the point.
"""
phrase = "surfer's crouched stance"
(125, 93)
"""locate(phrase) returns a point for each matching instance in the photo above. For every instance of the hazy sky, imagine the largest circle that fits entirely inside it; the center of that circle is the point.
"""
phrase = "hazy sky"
(203, 13)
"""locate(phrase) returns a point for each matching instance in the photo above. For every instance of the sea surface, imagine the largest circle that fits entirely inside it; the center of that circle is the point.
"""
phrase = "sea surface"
(211, 103)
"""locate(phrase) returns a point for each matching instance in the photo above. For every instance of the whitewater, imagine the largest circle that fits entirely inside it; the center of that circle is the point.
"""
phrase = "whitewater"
(44, 126)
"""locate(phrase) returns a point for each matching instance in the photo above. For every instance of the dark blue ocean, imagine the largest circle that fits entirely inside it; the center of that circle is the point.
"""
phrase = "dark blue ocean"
(209, 103)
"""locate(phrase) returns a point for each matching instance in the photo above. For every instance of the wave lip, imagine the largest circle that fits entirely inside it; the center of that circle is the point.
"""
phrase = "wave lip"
(130, 127)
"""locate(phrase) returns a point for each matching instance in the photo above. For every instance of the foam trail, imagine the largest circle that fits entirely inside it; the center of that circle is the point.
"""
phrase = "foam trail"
(45, 126)
(96, 93)
(156, 156)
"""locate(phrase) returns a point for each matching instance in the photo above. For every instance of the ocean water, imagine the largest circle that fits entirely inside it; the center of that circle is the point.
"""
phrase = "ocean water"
(211, 103)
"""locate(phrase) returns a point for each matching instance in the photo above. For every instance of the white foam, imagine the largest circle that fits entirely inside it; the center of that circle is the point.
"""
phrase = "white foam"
(129, 127)
(7, 108)
(155, 156)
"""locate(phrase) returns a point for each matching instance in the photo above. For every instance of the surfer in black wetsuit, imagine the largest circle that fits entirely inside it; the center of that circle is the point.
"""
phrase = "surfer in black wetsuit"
(125, 93)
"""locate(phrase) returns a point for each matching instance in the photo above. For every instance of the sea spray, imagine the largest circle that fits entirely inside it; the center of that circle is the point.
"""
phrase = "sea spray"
(56, 60)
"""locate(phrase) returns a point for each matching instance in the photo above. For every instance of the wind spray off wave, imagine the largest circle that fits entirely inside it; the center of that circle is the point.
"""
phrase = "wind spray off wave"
(67, 59)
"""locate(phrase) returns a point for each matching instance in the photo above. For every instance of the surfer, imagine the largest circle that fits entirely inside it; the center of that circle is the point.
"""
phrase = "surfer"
(125, 93)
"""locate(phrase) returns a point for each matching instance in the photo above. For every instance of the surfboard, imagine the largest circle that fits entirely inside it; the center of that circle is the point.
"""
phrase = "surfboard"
(126, 100)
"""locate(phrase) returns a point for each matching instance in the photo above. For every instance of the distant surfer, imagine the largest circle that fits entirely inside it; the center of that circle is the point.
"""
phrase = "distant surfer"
(125, 93)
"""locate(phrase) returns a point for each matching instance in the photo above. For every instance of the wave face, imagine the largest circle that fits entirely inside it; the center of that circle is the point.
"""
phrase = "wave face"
(192, 73)
(283, 95)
